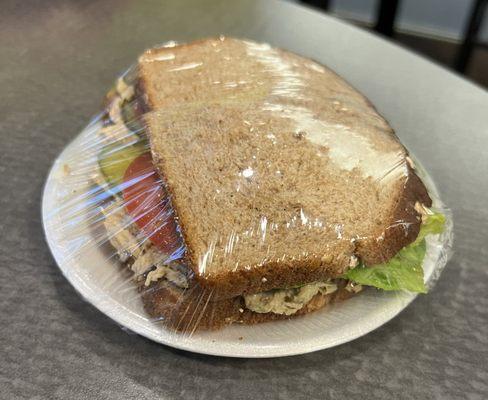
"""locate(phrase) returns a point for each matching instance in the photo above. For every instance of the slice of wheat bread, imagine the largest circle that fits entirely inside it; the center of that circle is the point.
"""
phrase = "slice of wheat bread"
(279, 171)
(188, 310)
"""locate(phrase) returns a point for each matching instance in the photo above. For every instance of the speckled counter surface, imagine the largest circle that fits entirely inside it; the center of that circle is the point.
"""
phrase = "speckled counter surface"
(56, 61)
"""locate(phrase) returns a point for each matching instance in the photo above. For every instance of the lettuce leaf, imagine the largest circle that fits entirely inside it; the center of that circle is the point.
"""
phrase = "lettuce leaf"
(404, 271)
(433, 224)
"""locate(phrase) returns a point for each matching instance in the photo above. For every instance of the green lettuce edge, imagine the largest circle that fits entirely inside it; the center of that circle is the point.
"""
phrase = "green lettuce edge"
(404, 271)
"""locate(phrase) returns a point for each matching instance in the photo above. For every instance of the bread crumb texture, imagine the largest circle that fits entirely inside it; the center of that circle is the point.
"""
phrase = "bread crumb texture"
(276, 167)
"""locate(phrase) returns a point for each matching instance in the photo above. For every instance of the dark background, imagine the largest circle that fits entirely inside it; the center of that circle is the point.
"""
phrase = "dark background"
(453, 33)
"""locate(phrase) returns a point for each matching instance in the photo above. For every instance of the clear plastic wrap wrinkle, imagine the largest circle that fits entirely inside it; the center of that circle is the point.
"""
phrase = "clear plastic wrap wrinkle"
(227, 182)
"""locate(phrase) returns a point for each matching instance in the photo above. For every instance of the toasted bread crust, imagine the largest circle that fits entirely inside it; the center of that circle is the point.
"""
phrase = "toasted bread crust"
(404, 224)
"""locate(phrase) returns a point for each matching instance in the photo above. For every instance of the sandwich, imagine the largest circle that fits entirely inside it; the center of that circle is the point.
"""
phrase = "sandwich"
(249, 184)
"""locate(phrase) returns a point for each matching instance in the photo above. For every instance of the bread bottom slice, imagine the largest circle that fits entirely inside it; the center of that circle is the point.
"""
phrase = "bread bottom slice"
(188, 310)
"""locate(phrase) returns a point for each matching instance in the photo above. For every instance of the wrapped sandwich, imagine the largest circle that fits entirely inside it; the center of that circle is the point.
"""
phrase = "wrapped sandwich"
(246, 184)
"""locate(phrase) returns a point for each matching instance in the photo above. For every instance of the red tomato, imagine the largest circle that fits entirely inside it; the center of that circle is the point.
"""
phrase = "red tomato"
(146, 201)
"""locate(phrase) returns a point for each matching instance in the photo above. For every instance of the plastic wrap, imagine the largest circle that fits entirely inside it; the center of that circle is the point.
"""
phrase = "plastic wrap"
(234, 183)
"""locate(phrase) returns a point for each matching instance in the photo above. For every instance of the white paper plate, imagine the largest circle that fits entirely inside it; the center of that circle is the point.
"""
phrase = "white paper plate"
(90, 270)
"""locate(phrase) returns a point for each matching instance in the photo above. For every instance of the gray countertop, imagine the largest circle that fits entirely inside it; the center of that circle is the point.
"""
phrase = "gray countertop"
(56, 61)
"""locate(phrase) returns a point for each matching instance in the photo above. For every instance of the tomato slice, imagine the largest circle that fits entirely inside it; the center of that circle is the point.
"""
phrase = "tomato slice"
(146, 201)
